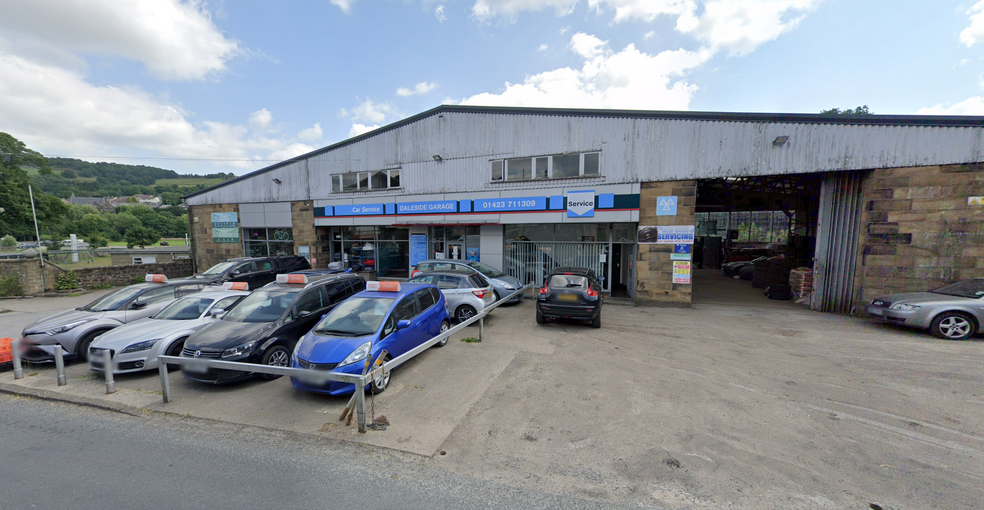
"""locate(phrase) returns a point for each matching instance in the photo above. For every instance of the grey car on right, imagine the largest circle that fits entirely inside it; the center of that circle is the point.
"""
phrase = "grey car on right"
(952, 312)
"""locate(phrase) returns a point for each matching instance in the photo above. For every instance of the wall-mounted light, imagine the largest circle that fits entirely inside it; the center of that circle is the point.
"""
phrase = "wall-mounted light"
(277, 181)
(780, 140)
(438, 158)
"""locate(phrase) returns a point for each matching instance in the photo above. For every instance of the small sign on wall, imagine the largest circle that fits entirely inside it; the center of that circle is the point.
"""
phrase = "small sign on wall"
(666, 206)
(681, 272)
(975, 200)
(225, 227)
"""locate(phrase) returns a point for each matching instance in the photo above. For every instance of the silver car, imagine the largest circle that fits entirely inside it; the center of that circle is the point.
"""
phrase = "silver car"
(76, 329)
(465, 293)
(952, 312)
(502, 284)
(135, 346)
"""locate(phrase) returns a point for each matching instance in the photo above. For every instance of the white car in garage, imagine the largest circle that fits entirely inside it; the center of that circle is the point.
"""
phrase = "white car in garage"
(134, 347)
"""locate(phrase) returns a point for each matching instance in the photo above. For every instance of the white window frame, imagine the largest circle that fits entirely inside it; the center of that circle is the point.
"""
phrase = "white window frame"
(504, 162)
(337, 179)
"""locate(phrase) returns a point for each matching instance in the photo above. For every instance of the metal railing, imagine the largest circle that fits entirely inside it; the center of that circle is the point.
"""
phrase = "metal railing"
(58, 353)
(320, 376)
(531, 262)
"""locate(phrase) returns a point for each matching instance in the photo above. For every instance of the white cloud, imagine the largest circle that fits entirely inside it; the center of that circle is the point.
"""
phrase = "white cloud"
(418, 89)
(970, 106)
(439, 14)
(627, 79)
(649, 35)
(260, 120)
(294, 149)
(176, 40)
(645, 10)
(55, 111)
(974, 33)
(369, 111)
(358, 129)
(564, 30)
(543, 47)
(344, 5)
(311, 134)
(486, 9)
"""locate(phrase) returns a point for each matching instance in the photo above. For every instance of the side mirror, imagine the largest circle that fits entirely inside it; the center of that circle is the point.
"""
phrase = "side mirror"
(402, 324)
(137, 305)
(217, 313)
(237, 273)
(303, 313)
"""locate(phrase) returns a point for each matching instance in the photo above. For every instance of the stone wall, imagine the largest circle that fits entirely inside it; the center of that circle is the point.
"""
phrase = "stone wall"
(28, 274)
(654, 273)
(918, 230)
(123, 275)
(204, 252)
(302, 221)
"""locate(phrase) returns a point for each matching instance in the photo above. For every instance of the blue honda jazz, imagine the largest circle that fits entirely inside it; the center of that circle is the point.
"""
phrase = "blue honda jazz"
(391, 316)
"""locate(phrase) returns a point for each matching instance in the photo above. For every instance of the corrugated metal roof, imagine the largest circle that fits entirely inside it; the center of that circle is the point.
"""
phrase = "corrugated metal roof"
(636, 146)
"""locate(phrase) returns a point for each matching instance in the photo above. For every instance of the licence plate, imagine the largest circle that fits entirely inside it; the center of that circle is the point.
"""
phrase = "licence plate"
(195, 368)
(568, 297)
(876, 312)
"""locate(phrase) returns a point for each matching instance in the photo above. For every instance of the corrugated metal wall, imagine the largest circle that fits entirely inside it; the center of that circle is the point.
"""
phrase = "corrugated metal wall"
(838, 229)
(633, 150)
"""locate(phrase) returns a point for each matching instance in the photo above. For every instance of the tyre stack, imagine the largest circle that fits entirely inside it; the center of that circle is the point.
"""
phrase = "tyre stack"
(777, 280)
(761, 273)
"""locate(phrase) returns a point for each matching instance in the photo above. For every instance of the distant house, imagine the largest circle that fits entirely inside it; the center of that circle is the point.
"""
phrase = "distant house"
(148, 200)
(100, 203)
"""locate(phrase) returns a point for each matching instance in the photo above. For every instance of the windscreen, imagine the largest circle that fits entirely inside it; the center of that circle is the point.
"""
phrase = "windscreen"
(184, 309)
(567, 281)
(261, 307)
(489, 271)
(968, 289)
(113, 300)
(355, 317)
(220, 268)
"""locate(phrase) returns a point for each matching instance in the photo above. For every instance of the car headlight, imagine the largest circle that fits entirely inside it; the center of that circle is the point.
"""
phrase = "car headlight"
(905, 307)
(358, 354)
(140, 346)
(507, 285)
(239, 350)
(65, 327)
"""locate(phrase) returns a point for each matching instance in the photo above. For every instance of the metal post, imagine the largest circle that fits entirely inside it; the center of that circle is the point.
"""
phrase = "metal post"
(481, 327)
(360, 405)
(108, 371)
(18, 369)
(60, 365)
(165, 382)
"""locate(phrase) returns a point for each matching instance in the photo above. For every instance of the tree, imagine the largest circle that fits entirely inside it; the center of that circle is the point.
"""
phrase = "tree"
(97, 241)
(861, 110)
(141, 236)
(8, 241)
(68, 174)
(17, 219)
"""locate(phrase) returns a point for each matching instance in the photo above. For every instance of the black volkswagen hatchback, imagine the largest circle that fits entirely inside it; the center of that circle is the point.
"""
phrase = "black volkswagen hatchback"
(570, 293)
(265, 326)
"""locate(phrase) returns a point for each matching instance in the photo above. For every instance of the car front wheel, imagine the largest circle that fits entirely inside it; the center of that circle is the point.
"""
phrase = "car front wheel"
(380, 383)
(275, 356)
(953, 326)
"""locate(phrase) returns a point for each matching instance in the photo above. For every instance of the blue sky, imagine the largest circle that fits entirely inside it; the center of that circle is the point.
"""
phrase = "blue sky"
(236, 85)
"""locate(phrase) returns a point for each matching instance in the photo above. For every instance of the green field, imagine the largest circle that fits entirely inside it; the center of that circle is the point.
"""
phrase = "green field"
(172, 241)
(188, 181)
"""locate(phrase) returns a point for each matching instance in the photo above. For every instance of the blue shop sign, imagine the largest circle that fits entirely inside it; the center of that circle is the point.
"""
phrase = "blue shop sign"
(510, 204)
(359, 209)
(441, 206)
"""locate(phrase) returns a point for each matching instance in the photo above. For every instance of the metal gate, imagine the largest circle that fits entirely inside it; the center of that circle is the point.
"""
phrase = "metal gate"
(531, 261)
(837, 242)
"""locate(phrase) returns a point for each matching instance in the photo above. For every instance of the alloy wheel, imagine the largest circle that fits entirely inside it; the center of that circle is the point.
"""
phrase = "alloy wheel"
(955, 326)
(279, 358)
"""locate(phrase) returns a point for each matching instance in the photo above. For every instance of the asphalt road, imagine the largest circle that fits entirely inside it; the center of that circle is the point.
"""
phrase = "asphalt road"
(56, 455)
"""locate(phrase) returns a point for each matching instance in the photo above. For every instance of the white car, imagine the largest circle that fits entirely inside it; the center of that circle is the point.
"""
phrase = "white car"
(135, 346)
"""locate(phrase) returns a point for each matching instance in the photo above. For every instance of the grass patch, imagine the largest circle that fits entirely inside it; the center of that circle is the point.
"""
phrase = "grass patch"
(470, 340)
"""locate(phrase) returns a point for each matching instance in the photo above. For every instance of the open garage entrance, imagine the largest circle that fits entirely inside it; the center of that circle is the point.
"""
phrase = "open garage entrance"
(752, 234)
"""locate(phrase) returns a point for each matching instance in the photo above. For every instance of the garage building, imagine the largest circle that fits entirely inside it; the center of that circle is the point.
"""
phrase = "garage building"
(873, 204)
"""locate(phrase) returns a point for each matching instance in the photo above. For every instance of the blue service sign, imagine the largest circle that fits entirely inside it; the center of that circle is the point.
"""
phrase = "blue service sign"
(679, 234)
(359, 209)
(681, 248)
(510, 204)
(441, 206)
(580, 204)
(666, 206)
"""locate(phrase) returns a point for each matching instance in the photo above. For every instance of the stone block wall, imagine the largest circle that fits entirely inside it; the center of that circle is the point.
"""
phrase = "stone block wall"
(123, 275)
(918, 230)
(28, 274)
(654, 273)
(302, 221)
(204, 252)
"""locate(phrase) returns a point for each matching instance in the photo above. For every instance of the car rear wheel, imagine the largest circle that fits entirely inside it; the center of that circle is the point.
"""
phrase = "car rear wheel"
(953, 326)
(380, 383)
(444, 327)
(539, 317)
(496, 294)
(464, 312)
(276, 356)
(596, 322)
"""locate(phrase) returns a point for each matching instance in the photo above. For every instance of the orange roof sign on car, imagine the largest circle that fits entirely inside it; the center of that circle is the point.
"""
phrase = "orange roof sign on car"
(236, 286)
(155, 278)
(292, 278)
(383, 286)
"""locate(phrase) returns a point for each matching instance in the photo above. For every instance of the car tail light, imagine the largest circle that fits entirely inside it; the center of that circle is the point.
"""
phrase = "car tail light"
(480, 294)
(592, 293)
(545, 290)
(415, 273)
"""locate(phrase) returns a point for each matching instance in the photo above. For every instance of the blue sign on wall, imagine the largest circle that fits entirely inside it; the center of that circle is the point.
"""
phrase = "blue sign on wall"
(510, 204)
(666, 206)
(580, 204)
(359, 209)
(418, 248)
(681, 248)
(442, 206)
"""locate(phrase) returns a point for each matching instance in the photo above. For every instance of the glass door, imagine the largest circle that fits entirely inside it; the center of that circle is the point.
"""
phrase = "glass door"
(456, 250)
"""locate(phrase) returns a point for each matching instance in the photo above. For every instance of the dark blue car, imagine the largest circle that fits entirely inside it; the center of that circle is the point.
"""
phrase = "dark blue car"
(367, 323)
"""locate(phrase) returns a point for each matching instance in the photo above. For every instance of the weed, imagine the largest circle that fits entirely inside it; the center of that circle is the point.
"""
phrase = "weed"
(470, 340)
(9, 286)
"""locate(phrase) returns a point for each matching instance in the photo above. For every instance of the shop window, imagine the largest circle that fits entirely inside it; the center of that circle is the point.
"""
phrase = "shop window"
(560, 166)
(266, 242)
(365, 181)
